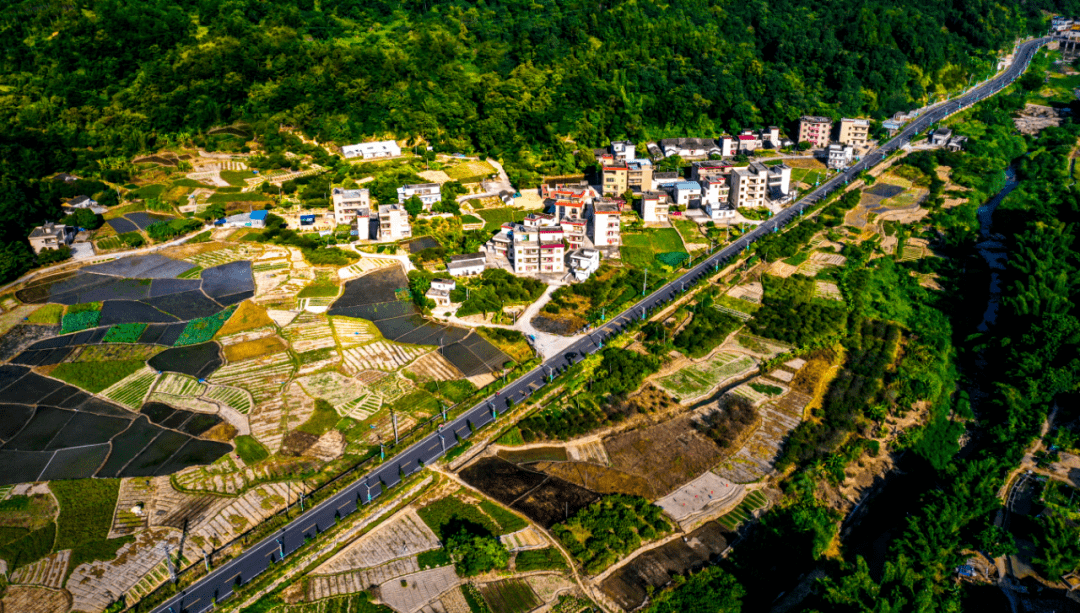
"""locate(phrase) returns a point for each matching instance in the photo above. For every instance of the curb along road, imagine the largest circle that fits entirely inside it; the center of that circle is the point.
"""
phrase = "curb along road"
(219, 584)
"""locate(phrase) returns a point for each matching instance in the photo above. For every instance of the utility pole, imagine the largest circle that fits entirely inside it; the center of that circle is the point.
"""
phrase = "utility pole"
(645, 282)
(393, 420)
(169, 561)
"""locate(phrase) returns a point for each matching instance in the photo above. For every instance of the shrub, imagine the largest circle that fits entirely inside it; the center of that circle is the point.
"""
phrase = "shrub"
(433, 559)
(548, 558)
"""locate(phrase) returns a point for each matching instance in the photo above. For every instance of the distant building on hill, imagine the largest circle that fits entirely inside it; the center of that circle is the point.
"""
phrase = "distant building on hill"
(370, 151)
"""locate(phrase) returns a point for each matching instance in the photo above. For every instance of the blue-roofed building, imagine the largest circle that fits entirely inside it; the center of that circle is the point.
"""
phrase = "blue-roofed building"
(254, 219)
(685, 192)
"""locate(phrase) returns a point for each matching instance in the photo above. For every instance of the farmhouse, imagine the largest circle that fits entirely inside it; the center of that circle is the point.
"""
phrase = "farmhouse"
(815, 130)
(689, 147)
(840, 156)
(440, 291)
(428, 193)
(254, 219)
(51, 236)
(350, 203)
(654, 206)
(635, 175)
(584, 262)
(466, 265)
(393, 222)
(370, 151)
(605, 224)
(82, 202)
(854, 132)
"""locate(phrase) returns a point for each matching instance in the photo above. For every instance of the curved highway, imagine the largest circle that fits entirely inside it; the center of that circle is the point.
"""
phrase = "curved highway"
(219, 584)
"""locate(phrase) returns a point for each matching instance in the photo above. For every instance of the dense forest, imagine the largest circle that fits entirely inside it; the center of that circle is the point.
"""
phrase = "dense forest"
(86, 84)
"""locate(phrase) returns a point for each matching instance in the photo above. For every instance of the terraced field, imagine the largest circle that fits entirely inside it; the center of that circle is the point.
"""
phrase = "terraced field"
(360, 408)
(745, 511)
(697, 380)
(382, 355)
(262, 377)
(309, 332)
(48, 571)
(230, 396)
(351, 332)
(132, 389)
(179, 385)
(222, 256)
(755, 459)
(405, 535)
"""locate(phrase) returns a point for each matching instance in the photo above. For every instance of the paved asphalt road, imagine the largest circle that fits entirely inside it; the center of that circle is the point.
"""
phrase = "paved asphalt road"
(219, 583)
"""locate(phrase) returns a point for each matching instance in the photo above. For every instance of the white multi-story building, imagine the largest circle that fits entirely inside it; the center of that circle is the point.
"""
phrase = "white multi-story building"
(749, 185)
(440, 290)
(654, 206)
(709, 169)
(567, 200)
(623, 150)
(605, 224)
(778, 183)
(574, 231)
(728, 146)
(393, 222)
(685, 192)
(840, 156)
(532, 247)
(584, 262)
(428, 193)
(349, 203)
(714, 190)
(370, 151)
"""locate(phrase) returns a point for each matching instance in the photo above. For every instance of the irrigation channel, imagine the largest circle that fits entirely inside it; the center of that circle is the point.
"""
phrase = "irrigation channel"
(220, 583)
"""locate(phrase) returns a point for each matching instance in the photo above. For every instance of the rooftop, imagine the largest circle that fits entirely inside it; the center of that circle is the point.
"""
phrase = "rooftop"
(606, 209)
(858, 122)
(466, 257)
(815, 119)
(687, 185)
(350, 194)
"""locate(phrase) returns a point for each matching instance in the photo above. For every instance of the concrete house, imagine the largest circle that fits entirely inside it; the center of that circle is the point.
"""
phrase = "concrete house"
(714, 190)
(662, 180)
(51, 236)
(440, 291)
(956, 143)
(748, 142)
(940, 136)
(348, 203)
(567, 200)
(815, 130)
(719, 211)
(753, 185)
(840, 156)
(82, 202)
(428, 193)
(584, 262)
(371, 151)
(686, 192)
(854, 132)
(688, 148)
(728, 146)
(708, 169)
(393, 222)
(622, 150)
(635, 175)
(467, 265)
(605, 224)
(654, 206)
(574, 231)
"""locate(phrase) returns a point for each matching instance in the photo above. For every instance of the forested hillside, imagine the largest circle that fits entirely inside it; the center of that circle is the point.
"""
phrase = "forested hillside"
(89, 80)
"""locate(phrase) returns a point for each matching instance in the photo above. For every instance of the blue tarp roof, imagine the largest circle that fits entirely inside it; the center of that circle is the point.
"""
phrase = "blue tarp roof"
(260, 215)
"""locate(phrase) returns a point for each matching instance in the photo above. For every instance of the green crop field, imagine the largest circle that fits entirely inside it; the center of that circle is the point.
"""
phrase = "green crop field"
(132, 389)
(495, 218)
(203, 329)
(81, 320)
(548, 558)
(745, 511)
(640, 250)
(693, 381)
(236, 178)
(95, 376)
(688, 230)
(48, 314)
(124, 333)
(86, 511)
(511, 596)
(232, 396)
(249, 449)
